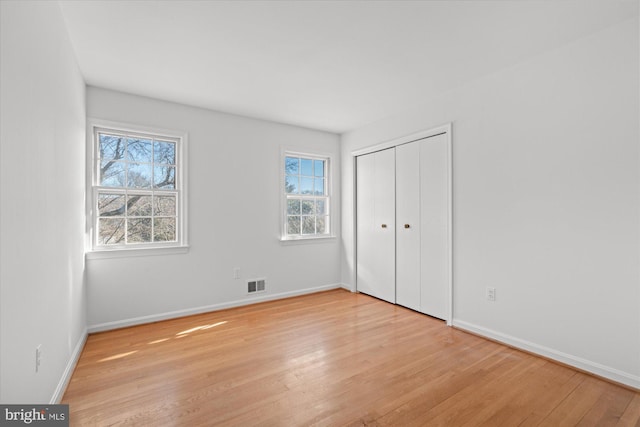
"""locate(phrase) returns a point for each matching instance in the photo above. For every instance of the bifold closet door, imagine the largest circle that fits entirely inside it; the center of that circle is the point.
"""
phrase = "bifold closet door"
(408, 225)
(375, 216)
(422, 229)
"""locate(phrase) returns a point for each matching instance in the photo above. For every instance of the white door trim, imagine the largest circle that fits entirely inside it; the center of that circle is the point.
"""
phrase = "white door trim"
(446, 128)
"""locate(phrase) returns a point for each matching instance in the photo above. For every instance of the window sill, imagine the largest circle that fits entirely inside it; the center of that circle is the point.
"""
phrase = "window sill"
(306, 240)
(131, 252)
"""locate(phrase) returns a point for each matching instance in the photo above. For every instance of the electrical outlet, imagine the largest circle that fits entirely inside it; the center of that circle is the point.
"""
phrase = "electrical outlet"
(491, 294)
(236, 273)
(38, 357)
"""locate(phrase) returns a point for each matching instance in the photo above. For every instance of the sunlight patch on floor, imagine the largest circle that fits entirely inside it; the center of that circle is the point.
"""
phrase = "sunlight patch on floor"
(201, 328)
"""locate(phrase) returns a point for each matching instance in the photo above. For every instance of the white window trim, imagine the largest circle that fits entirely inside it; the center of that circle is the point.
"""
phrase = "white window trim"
(181, 245)
(296, 152)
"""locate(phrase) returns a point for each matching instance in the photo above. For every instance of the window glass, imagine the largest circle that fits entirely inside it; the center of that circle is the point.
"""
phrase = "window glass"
(136, 193)
(139, 150)
(306, 194)
(306, 185)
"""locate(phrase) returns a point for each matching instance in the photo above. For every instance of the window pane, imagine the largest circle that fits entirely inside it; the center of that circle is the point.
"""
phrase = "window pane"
(111, 147)
(293, 225)
(136, 178)
(293, 207)
(321, 225)
(321, 206)
(306, 185)
(138, 205)
(110, 231)
(164, 177)
(139, 150)
(139, 175)
(308, 207)
(308, 225)
(318, 167)
(319, 186)
(164, 152)
(291, 165)
(139, 230)
(164, 229)
(110, 204)
(291, 185)
(112, 174)
(164, 206)
(306, 167)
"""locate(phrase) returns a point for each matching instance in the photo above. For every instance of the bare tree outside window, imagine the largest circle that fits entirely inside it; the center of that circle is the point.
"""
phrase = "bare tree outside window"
(137, 196)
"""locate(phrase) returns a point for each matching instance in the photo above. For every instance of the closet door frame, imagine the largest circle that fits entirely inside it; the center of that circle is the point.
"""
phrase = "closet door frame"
(444, 129)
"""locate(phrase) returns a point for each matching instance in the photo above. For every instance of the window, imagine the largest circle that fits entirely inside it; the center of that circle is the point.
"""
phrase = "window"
(306, 195)
(138, 191)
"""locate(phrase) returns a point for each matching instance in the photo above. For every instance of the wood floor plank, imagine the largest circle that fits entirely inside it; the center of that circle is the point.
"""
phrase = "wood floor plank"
(608, 409)
(631, 415)
(329, 359)
(578, 404)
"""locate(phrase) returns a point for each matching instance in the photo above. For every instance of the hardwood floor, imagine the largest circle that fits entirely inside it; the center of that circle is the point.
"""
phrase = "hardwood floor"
(329, 359)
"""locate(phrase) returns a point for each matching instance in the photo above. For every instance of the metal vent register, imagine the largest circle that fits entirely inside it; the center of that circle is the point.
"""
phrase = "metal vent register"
(256, 285)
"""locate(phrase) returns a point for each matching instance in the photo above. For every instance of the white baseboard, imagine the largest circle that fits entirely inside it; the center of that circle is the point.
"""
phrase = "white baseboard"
(205, 309)
(68, 371)
(568, 359)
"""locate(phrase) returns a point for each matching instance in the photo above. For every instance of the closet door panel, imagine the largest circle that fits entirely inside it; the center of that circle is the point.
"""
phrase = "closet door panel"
(408, 225)
(375, 216)
(365, 232)
(434, 213)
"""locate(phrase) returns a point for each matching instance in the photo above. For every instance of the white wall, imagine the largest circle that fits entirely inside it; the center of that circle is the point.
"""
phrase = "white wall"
(546, 201)
(234, 208)
(42, 116)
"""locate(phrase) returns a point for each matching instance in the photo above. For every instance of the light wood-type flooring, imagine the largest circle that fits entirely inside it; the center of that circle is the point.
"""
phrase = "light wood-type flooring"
(329, 359)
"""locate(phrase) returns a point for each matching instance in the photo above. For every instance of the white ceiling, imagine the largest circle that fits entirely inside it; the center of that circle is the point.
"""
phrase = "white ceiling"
(329, 65)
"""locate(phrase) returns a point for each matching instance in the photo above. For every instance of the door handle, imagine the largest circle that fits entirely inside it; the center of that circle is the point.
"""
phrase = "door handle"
(384, 225)
(407, 226)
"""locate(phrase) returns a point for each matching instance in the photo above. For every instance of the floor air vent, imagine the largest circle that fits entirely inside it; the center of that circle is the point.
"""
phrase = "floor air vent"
(256, 285)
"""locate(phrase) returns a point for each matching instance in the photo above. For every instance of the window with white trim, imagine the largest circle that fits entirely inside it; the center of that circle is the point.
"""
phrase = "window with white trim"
(306, 195)
(137, 190)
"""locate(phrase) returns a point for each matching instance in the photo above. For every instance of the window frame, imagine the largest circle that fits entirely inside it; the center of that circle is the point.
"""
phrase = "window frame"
(284, 196)
(180, 138)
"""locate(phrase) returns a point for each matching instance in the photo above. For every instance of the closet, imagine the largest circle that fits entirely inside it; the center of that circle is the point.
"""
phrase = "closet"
(403, 234)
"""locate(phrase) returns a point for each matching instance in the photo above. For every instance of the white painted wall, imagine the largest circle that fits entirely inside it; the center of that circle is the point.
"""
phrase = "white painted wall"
(546, 200)
(234, 214)
(42, 116)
